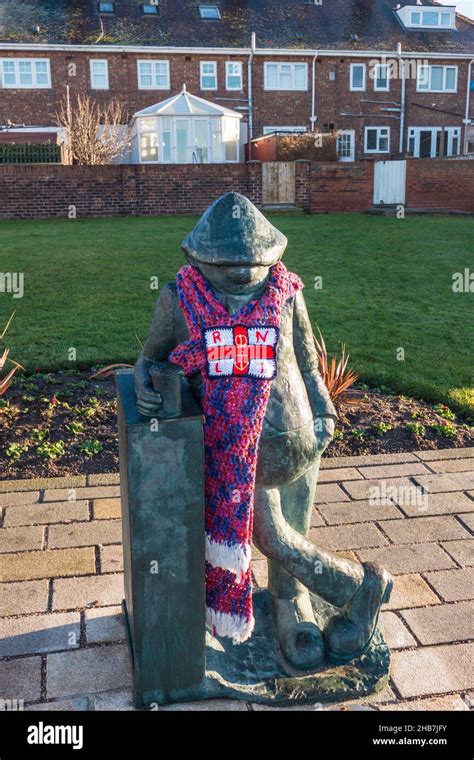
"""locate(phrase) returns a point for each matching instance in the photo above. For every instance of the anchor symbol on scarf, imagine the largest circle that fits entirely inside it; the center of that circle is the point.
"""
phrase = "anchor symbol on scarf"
(240, 350)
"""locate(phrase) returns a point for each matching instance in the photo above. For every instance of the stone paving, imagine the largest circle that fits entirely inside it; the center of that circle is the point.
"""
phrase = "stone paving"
(62, 639)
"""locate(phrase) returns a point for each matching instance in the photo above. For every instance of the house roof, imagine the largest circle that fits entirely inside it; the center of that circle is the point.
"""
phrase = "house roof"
(335, 24)
(185, 104)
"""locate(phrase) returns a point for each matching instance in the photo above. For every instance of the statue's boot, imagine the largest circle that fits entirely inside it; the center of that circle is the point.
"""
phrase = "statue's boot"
(301, 641)
(349, 633)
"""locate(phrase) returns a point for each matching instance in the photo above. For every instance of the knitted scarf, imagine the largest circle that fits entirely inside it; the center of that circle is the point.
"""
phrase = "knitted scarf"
(237, 357)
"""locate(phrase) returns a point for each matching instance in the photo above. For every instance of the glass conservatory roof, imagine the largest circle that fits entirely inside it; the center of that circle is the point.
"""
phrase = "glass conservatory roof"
(185, 104)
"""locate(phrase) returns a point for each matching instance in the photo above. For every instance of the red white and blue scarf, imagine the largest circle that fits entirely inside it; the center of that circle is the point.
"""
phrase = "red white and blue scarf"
(237, 355)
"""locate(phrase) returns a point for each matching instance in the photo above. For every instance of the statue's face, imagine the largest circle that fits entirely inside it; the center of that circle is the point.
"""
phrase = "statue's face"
(234, 279)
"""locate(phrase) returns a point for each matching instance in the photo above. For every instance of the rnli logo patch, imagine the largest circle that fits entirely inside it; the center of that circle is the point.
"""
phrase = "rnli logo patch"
(240, 350)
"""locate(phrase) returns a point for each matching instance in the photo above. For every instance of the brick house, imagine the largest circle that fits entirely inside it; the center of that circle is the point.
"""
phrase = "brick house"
(392, 79)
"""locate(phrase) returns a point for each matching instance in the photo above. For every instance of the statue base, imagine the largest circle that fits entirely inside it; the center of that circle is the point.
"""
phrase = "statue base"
(256, 671)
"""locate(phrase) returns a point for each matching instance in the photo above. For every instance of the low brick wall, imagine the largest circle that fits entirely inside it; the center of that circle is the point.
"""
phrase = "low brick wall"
(440, 185)
(36, 192)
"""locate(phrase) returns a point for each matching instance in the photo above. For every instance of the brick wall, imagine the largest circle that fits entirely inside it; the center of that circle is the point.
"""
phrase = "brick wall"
(37, 192)
(433, 184)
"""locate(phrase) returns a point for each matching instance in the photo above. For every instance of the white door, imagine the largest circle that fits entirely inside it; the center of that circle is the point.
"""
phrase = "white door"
(345, 145)
(389, 182)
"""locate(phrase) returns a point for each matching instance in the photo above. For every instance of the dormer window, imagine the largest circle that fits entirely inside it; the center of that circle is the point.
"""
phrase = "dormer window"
(427, 18)
(107, 8)
(209, 12)
(150, 9)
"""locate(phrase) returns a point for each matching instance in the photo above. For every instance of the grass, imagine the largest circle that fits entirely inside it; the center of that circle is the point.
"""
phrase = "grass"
(386, 285)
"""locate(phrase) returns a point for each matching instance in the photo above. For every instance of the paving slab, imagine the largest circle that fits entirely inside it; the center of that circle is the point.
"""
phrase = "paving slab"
(48, 564)
(330, 492)
(260, 572)
(462, 551)
(38, 484)
(96, 532)
(423, 529)
(395, 633)
(433, 670)
(411, 591)
(25, 538)
(353, 536)
(21, 679)
(316, 519)
(439, 625)
(119, 700)
(91, 591)
(19, 498)
(93, 492)
(339, 513)
(468, 520)
(368, 459)
(77, 704)
(341, 473)
(408, 558)
(105, 624)
(455, 481)
(453, 585)
(454, 453)
(379, 491)
(111, 559)
(106, 509)
(103, 479)
(100, 668)
(46, 514)
(35, 634)
(449, 703)
(23, 597)
(452, 465)
(393, 470)
(436, 504)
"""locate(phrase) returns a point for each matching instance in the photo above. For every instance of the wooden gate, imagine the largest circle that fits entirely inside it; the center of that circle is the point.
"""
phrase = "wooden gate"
(389, 182)
(278, 183)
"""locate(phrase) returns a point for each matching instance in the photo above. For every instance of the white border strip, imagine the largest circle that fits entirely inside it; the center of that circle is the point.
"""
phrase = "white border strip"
(234, 558)
(232, 626)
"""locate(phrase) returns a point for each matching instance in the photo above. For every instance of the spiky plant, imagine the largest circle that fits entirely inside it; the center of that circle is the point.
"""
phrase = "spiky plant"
(337, 377)
(6, 381)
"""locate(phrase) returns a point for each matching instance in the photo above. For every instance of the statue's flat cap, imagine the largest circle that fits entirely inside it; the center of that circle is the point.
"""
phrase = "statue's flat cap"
(233, 232)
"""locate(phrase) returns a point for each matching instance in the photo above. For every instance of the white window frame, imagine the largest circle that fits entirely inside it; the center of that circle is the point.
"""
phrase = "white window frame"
(378, 66)
(430, 66)
(202, 74)
(215, 8)
(155, 128)
(103, 62)
(379, 130)
(440, 13)
(228, 65)
(351, 78)
(351, 134)
(293, 70)
(153, 85)
(18, 86)
(451, 133)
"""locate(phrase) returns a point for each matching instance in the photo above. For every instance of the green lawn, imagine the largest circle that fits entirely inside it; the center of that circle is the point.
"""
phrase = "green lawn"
(386, 285)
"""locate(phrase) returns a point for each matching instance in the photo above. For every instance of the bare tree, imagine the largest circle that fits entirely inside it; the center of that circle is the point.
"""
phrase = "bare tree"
(96, 134)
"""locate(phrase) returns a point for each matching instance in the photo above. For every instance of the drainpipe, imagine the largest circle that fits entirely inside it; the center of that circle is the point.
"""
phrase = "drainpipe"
(466, 116)
(402, 100)
(313, 93)
(253, 45)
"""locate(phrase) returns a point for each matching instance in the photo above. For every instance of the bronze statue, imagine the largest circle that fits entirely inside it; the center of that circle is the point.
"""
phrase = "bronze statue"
(234, 248)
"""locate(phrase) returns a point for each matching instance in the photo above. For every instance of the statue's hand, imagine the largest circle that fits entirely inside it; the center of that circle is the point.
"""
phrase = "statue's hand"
(324, 431)
(148, 400)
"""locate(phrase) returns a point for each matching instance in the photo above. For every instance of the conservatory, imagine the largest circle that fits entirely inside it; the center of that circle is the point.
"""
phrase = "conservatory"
(186, 129)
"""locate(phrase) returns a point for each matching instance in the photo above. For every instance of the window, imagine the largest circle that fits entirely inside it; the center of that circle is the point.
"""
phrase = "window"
(99, 75)
(286, 76)
(153, 75)
(377, 140)
(432, 18)
(357, 77)
(106, 7)
(437, 79)
(233, 75)
(150, 9)
(381, 79)
(209, 12)
(269, 130)
(431, 142)
(27, 73)
(208, 75)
